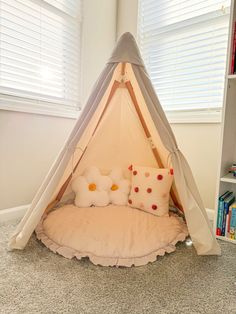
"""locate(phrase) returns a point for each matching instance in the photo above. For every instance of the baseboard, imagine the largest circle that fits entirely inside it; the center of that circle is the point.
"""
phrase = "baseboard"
(210, 213)
(13, 213)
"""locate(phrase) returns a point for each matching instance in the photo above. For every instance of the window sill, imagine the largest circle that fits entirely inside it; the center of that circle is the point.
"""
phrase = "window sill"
(189, 117)
(55, 110)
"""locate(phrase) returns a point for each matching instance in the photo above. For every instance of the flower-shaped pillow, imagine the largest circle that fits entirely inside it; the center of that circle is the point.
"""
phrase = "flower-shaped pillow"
(150, 189)
(119, 189)
(91, 188)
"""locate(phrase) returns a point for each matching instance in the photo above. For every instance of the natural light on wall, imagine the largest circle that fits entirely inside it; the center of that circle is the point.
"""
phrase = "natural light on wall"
(40, 56)
(184, 46)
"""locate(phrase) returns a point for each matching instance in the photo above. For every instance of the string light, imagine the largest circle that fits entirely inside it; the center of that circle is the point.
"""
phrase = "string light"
(188, 242)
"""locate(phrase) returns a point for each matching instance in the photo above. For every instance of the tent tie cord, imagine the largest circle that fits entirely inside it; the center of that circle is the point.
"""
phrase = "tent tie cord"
(151, 142)
(176, 150)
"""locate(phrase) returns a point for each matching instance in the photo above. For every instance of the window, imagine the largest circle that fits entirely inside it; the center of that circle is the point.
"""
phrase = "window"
(184, 45)
(40, 56)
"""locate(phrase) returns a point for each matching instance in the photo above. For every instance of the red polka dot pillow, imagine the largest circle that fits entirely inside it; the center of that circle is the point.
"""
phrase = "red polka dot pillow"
(150, 189)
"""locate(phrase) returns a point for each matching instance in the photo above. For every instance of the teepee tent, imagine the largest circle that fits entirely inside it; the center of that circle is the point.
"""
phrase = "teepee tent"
(122, 123)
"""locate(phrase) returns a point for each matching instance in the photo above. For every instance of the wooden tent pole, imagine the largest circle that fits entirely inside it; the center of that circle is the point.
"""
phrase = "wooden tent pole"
(66, 183)
(112, 92)
(123, 68)
(148, 135)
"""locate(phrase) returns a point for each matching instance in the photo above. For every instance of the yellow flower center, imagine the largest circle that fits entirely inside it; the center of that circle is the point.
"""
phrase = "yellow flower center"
(92, 187)
(114, 187)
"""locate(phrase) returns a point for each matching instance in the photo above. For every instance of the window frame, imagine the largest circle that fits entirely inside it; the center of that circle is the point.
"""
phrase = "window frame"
(12, 101)
(195, 115)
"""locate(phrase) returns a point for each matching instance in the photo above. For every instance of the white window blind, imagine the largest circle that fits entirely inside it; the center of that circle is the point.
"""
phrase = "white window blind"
(184, 45)
(40, 56)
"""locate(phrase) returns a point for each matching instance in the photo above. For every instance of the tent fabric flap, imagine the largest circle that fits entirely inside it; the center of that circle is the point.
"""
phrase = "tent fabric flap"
(195, 213)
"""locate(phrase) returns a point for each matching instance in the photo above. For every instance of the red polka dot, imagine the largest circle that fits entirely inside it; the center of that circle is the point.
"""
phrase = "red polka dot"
(154, 207)
(149, 190)
(135, 172)
(171, 171)
(159, 177)
(136, 189)
(130, 201)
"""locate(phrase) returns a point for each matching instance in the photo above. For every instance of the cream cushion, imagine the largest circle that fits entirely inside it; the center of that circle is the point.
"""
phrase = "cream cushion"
(91, 188)
(150, 189)
(111, 235)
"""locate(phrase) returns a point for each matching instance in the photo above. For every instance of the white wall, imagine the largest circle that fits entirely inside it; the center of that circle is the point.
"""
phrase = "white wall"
(198, 142)
(200, 145)
(29, 143)
(99, 37)
(127, 13)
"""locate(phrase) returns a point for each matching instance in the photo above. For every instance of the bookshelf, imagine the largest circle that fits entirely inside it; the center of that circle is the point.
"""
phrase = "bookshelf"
(226, 180)
(226, 239)
(232, 76)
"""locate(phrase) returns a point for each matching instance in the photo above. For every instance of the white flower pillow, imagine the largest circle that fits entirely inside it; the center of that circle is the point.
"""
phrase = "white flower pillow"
(150, 189)
(120, 188)
(91, 188)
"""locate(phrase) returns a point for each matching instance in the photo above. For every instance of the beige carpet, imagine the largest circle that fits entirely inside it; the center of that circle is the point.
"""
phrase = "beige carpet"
(38, 281)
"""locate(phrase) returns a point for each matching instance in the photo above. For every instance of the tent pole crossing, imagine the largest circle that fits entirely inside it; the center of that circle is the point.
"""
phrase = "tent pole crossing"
(123, 68)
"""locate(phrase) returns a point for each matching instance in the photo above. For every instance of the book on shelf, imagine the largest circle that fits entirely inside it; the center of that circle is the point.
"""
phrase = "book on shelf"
(226, 216)
(221, 211)
(232, 222)
(228, 201)
(233, 63)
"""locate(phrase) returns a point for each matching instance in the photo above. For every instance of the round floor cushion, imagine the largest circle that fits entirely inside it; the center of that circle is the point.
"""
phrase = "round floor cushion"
(111, 235)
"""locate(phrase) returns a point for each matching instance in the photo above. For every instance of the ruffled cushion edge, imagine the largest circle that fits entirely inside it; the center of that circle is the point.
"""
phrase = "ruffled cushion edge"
(70, 253)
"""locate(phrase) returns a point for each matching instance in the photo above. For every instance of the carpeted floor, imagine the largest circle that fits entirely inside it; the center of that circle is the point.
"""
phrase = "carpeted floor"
(38, 281)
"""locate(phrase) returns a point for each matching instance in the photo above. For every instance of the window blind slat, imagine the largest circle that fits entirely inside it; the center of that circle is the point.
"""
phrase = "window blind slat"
(44, 39)
(23, 77)
(169, 12)
(18, 81)
(69, 6)
(26, 54)
(35, 67)
(33, 74)
(34, 97)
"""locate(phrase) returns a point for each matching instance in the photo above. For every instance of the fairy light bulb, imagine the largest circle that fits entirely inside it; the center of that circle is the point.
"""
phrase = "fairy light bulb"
(188, 242)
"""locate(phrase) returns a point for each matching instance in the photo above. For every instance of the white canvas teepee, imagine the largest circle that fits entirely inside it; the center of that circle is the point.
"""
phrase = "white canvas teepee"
(121, 124)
